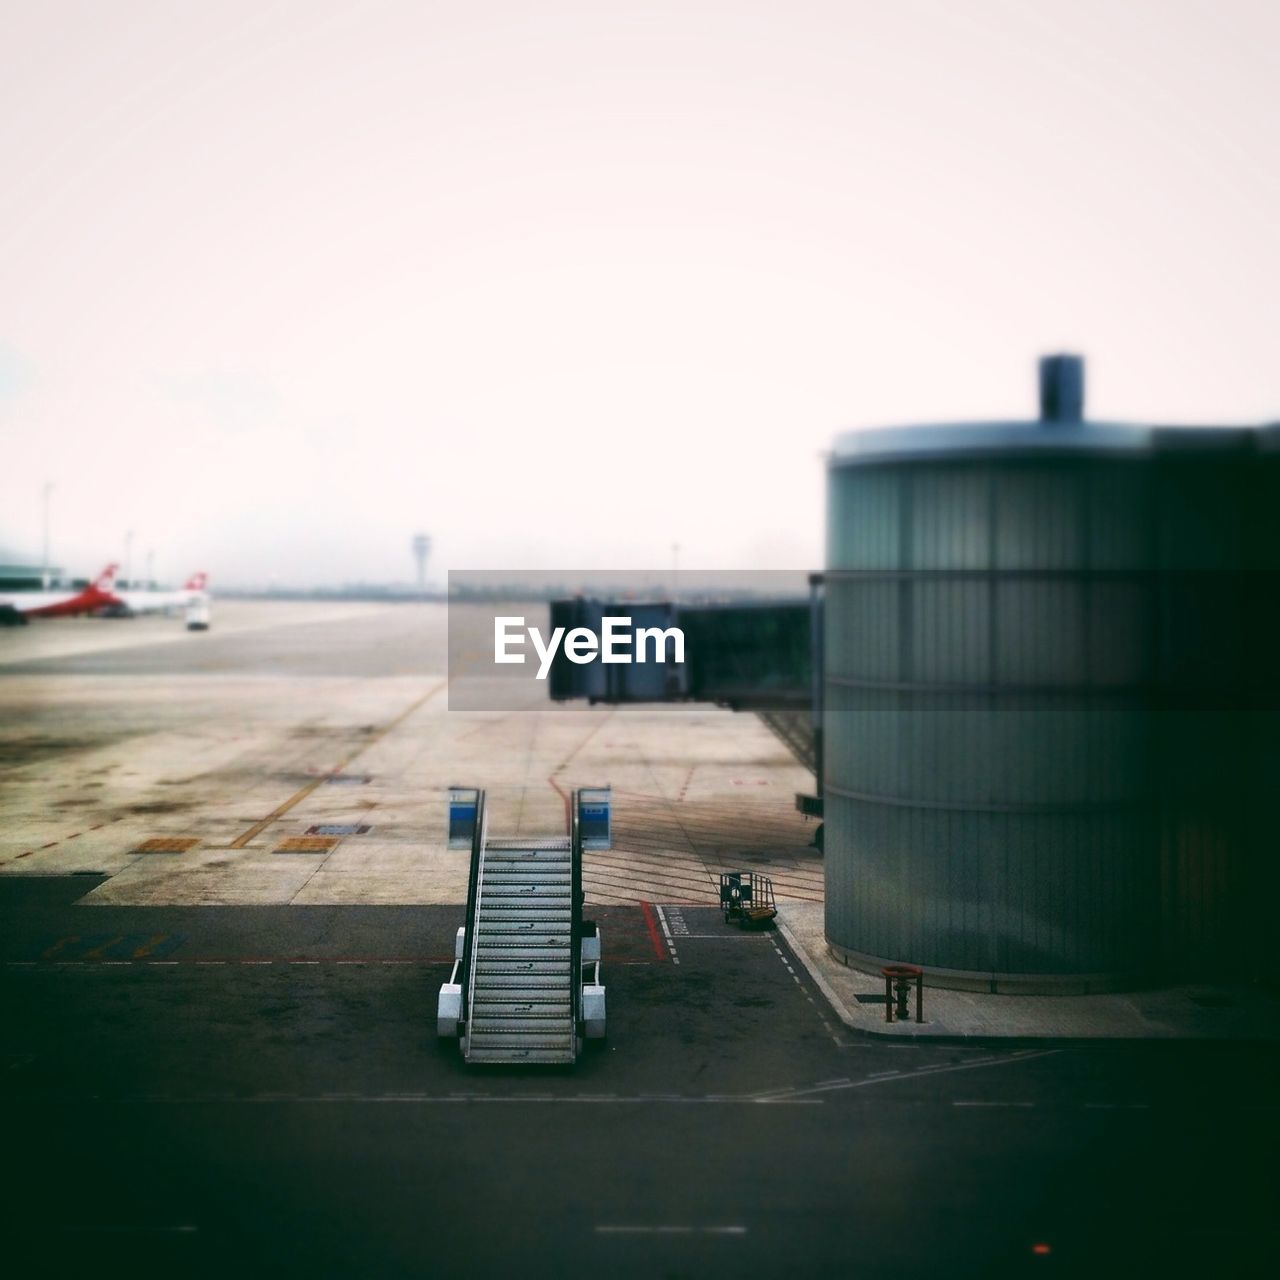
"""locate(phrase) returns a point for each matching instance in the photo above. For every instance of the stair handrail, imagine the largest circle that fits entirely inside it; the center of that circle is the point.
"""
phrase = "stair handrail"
(469, 949)
(575, 909)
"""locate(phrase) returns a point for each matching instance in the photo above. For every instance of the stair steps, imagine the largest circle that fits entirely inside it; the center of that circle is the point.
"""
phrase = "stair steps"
(523, 987)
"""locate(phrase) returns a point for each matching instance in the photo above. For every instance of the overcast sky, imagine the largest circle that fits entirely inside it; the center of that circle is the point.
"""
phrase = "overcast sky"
(565, 283)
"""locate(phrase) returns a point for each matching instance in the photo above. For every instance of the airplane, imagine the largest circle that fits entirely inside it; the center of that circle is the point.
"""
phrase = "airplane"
(148, 600)
(99, 594)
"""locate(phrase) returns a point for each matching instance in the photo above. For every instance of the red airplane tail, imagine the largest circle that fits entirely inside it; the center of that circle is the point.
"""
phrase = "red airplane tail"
(105, 581)
(196, 582)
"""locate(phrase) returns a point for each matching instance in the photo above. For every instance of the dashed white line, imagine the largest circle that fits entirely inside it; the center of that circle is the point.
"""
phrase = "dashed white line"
(662, 920)
(668, 1229)
(826, 1026)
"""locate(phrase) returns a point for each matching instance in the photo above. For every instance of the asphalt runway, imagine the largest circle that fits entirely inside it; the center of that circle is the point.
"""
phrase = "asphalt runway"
(254, 1087)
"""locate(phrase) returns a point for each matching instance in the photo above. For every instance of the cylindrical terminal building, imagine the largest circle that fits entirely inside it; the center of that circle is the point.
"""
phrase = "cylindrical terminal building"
(1049, 698)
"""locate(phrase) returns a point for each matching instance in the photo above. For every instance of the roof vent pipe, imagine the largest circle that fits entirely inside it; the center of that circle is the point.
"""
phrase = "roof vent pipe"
(1061, 389)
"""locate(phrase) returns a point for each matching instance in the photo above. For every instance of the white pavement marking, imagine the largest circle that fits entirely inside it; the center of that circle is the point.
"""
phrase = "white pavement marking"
(992, 1104)
(675, 918)
(426, 1099)
(830, 1030)
(662, 920)
(884, 1078)
(728, 937)
(669, 1230)
(818, 980)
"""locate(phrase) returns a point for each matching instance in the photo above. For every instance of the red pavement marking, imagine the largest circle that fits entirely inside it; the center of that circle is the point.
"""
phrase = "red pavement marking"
(651, 924)
(564, 795)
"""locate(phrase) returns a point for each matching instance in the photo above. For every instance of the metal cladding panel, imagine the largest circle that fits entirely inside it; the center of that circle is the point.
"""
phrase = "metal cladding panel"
(1037, 675)
(897, 749)
(993, 893)
(863, 526)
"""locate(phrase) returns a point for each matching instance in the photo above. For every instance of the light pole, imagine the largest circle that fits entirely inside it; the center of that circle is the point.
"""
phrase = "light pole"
(44, 554)
(151, 568)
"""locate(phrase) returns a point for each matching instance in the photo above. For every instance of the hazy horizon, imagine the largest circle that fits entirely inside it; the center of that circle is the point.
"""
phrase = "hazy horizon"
(569, 284)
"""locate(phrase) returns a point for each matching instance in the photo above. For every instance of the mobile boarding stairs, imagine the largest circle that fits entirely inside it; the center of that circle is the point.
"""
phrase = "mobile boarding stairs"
(525, 985)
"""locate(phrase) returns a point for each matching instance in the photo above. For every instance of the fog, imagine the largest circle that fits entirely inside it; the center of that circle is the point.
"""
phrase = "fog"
(569, 283)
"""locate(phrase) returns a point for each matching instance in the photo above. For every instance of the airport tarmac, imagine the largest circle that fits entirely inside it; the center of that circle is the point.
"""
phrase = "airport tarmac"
(223, 749)
(224, 1058)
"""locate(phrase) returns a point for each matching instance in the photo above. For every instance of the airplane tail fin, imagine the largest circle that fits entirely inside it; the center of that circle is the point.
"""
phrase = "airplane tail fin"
(106, 580)
(197, 581)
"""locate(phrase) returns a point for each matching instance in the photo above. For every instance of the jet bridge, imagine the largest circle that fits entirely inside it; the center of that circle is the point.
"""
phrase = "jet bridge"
(525, 985)
(764, 656)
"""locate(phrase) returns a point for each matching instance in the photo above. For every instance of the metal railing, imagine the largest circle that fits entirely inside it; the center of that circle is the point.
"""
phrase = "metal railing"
(575, 911)
(473, 893)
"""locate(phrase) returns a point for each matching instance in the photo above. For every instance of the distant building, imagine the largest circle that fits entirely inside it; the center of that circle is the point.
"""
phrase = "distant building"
(16, 576)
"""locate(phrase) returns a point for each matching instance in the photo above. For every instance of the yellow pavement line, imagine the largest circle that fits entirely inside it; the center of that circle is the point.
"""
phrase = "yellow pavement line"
(98, 952)
(146, 948)
(259, 827)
